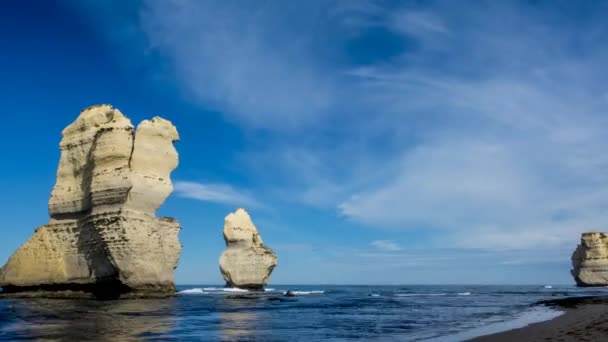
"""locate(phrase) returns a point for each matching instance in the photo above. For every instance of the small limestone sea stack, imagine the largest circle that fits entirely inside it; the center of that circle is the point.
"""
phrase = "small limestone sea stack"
(246, 262)
(103, 238)
(590, 260)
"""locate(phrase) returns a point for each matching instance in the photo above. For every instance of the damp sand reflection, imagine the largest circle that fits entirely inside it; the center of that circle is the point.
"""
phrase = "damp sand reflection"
(242, 318)
(87, 320)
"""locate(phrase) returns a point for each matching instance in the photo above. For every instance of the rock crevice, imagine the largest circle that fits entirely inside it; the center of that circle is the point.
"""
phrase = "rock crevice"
(103, 236)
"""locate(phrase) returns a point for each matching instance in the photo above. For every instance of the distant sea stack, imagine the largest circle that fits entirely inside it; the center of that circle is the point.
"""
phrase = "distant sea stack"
(103, 238)
(246, 262)
(590, 260)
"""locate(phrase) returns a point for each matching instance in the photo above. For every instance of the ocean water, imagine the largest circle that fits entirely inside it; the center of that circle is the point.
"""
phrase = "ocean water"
(316, 313)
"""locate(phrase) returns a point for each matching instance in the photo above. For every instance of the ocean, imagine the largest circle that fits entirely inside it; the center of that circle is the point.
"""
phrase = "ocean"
(316, 313)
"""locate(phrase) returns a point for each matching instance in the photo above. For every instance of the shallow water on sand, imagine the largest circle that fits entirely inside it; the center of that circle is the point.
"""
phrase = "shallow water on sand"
(335, 313)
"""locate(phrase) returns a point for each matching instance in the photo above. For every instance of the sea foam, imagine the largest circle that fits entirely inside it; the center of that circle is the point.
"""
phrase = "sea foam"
(212, 290)
(420, 294)
(302, 293)
(192, 291)
(431, 294)
(234, 289)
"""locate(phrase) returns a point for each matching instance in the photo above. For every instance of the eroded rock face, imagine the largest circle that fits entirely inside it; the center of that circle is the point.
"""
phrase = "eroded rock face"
(246, 262)
(103, 236)
(590, 260)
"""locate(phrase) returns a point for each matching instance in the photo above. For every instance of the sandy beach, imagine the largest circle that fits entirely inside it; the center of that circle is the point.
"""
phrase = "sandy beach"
(585, 319)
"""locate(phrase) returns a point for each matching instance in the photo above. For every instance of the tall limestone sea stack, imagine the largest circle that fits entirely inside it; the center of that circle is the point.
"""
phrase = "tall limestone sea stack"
(103, 238)
(246, 263)
(590, 260)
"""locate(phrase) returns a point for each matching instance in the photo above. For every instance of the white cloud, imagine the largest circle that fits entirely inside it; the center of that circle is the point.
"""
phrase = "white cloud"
(386, 245)
(219, 193)
(421, 25)
(512, 156)
(493, 134)
(244, 59)
(527, 171)
(488, 133)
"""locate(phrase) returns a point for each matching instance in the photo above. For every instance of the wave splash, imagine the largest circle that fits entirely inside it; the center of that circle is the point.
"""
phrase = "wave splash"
(303, 293)
(220, 290)
(211, 290)
(192, 291)
(432, 294)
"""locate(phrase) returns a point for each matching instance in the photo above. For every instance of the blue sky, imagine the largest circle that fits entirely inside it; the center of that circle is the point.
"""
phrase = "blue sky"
(372, 141)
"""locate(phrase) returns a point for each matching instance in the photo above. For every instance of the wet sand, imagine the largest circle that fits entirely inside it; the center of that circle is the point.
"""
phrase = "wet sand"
(585, 319)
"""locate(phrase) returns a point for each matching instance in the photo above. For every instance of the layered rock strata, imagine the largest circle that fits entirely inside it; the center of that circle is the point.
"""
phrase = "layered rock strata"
(103, 237)
(590, 260)
(246, 262)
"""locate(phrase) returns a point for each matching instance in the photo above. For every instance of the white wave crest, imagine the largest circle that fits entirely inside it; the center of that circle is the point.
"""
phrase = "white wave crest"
(303, 293)
(192, 291)
(234, 289)
(431, 294)
(212, 290)
(419, 294)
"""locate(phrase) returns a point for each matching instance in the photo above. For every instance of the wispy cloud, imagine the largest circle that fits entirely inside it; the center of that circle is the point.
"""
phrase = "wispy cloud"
(386, 245)
(492, 134)
(512, 157)
(247, 60)
(437, 265)
(219, 193)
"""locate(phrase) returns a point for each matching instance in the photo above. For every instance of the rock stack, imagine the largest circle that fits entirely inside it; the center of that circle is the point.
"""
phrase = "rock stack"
(590, 260)
(246, 262)
(103, 238)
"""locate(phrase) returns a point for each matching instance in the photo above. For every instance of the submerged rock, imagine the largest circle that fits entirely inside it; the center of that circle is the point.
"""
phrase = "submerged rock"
(103, 238)
(590, 260)
(246, 262)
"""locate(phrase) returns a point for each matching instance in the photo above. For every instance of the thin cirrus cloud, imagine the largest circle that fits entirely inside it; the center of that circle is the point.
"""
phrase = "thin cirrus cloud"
(508, 125)
(218, 193)
(386, 245)
(244, 59)
(488, 132)
(515, 159)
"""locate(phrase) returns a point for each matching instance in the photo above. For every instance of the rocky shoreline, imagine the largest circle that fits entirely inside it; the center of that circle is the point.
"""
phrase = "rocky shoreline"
(101, 290)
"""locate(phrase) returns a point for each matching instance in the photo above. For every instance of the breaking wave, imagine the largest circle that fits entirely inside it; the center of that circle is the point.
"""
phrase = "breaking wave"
(192, 291)
(431, 294)
(420, 294)
(302, 293)
(211, 290)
